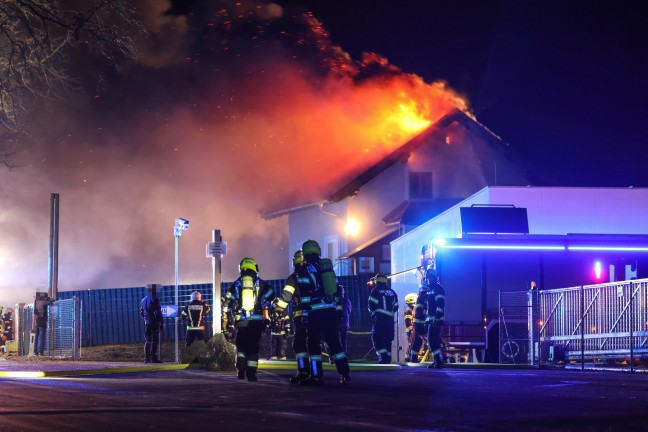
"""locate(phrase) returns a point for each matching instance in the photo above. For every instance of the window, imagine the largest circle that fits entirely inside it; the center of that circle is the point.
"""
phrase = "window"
(420, 185)
(365, 265)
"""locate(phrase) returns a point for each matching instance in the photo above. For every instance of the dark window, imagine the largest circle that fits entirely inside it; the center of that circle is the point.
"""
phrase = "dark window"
(420, 185)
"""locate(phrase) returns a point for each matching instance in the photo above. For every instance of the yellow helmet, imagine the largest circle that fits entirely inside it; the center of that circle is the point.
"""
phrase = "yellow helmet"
(311, 247)
(381, 278)
(410, 298)
(298, 258)
(248, 264)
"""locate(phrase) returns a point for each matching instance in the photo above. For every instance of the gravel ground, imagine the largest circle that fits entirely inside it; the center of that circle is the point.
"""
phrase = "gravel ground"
(104, 353)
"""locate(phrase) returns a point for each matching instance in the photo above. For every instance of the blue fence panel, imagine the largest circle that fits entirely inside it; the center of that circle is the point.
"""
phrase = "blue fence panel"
(112, 316)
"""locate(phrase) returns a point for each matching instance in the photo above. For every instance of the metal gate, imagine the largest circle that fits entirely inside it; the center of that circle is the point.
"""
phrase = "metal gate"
(63, 337)
(593, 323)
(515, 340)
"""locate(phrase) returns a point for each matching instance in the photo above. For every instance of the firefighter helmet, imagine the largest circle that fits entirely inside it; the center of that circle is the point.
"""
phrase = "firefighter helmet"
(311, 247)
(298, 258)
(410, 298)
(248, 264)
(381, 278)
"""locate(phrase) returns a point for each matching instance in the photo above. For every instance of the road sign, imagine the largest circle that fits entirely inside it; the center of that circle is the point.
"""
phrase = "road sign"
(170, 311)
(215, 249)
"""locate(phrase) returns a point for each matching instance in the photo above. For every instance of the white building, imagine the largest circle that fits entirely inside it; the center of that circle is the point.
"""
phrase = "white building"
(446, 163)
(575, 236)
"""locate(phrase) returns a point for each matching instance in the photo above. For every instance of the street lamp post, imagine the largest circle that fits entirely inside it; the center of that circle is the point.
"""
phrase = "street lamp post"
(180, 225)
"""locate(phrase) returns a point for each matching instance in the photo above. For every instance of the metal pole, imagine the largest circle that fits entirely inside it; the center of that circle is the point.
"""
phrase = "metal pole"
(177, 354)
(631, 326)
(216, 287)
(53, 248)
(582, 313)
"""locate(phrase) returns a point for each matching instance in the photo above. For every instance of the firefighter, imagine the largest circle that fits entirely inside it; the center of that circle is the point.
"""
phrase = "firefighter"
(342, 315)
(435, 315)
(410, 302)
(194, 315)
(248, 297)
(292, 294)
(8, 324)
(151, 311)
(419, 332)
(383, 305)
(279, 330)
(343, 308)
(316, 281)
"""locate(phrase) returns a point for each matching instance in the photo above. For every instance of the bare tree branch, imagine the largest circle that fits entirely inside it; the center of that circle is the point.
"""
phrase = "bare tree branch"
(36, 39)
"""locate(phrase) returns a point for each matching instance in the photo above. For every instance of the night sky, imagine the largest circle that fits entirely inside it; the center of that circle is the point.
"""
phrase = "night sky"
(563, 82)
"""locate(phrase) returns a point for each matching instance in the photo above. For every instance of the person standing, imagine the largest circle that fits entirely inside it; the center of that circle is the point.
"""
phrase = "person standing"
(410, 301)
(317, 285)
(249, 298)
(41, 306)
(435, 315)
(343, 309)
(194, 315)
(419, 331)
(383, 305)
(279, 329)
(151, 311)
(292, 295)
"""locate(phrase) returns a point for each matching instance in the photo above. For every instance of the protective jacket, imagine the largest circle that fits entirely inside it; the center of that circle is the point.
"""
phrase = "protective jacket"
(194, 314)
(263, 296)
(419, 332)
(383, 305)
(291, 295)
(250, 319)
(435, 315)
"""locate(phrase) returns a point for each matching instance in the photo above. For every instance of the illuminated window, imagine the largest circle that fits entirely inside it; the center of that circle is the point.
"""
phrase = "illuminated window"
(420, 185)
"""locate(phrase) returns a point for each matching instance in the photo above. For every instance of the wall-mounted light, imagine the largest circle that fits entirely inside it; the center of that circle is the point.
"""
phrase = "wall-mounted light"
(352, 227)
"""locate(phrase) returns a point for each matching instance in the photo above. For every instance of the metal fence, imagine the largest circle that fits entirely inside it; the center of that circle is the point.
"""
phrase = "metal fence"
(604, 323)
(515, 341)
(111, 316)
(63, 336)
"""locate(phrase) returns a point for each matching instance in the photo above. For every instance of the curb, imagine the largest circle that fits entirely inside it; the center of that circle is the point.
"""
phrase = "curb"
(104, 371)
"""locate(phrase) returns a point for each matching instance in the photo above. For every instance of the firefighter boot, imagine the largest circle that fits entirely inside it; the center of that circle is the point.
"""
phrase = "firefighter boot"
(437, 363)
(250, 373)
(302, 369)
(342, 366)
(240, 365)
(414, 358)
(316, 376)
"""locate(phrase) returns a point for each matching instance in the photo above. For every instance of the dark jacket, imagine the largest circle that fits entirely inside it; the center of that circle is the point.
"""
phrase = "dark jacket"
(151, 310)
(40, 311)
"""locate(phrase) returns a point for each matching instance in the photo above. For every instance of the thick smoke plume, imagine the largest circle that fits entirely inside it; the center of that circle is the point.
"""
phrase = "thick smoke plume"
(234, 108)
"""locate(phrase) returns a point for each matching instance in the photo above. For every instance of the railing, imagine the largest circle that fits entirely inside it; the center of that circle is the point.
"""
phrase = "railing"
(594, 323)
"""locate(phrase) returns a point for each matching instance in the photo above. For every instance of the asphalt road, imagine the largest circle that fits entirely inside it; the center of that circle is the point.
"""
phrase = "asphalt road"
(409, 399)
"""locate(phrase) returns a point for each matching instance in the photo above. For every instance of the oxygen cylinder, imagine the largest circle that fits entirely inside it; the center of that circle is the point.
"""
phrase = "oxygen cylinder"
(247, 293)
(328, 276)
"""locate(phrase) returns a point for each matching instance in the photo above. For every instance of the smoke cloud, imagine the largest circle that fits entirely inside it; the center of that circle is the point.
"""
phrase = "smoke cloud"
(232, 108)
